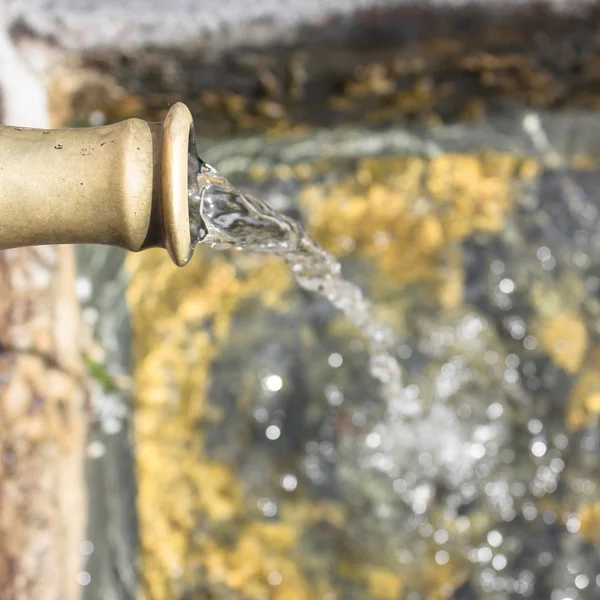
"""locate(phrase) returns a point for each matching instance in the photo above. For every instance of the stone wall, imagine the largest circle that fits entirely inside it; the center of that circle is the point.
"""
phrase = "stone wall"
(43, 414)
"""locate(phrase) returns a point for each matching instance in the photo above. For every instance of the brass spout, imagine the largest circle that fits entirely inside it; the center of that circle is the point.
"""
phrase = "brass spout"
(123, 185)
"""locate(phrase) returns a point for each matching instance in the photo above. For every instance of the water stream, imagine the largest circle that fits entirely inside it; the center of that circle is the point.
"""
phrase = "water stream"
(224, 217)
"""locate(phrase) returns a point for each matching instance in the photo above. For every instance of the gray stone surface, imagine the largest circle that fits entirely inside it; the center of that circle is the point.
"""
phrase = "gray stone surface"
(216, 24)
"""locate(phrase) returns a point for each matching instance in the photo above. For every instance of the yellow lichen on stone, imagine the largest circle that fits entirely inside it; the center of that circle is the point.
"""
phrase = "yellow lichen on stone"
(384, 584)
(402, 212)
(475, 190)
(440, 581)
(256, 566)
(529, 169)
(173, 347)
(265, 560)
(592, 403)
(564, 337)
(180, 318)
(589, 517)
(584, 401)
(450, 287)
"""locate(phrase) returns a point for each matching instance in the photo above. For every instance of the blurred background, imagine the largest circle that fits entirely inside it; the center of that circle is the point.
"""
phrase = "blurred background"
(213, 432)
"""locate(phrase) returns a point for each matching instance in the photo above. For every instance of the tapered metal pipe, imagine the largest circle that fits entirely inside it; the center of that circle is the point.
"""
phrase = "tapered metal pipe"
(123, 185)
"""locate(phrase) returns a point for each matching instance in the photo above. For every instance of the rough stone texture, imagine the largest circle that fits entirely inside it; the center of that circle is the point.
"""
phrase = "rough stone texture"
(43, 415)
(371, 61)
(216, 23)
(42, 427)
(399, 62)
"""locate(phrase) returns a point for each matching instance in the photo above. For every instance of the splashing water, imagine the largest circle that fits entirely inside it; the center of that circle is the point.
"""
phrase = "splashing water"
(224, 217)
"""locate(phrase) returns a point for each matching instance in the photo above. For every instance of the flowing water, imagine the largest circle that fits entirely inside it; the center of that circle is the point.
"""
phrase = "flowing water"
(224, 217)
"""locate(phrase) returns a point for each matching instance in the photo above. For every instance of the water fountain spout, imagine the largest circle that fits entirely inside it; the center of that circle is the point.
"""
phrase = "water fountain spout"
(122, 185)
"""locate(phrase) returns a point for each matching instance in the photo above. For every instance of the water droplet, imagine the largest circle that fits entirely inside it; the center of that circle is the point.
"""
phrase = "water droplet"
(538, 448)
(97, 118)
(530, 343)
(517, 329)
(507, 286)
(512, 361)
(399, 486)
(83, 578)
(273, 432)
(334, 395)
(373, 440)
(545, 559)
(477, 451)
(490, 357)
(404, 352)
(497, 267)
(267, 506)
(441, 536)
(86, 548)
(335, 360)
(111, 426)
(96, 449)
(406, 557)
(581, 260)
(592, 284)
(495, 410)
(590, 443)
(573, 524)
(359, 419)
(83, 289)
(549, 264)
(494, 538)
(543, 253)
(272, 383)
(419, 507)
(90, 315)
(529, 511)
(346, 243)
(484, 555)
(261, 414)
(289, 482)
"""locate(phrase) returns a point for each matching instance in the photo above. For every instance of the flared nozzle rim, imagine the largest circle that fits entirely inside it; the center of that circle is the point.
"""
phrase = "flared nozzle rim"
(174, 183)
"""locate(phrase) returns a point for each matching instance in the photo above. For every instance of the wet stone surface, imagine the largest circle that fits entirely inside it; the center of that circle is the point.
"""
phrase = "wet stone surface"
(269, 464)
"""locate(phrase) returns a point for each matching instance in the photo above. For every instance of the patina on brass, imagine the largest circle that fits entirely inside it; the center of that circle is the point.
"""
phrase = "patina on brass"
(123, 185)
